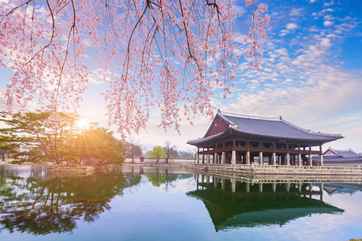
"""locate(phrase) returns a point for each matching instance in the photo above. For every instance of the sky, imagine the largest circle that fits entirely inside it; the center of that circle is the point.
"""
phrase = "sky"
(311, 75)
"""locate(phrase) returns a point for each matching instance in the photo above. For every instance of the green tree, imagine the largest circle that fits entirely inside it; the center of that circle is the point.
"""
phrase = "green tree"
(46, 136)
(157, 153)
(34, 136)
(100, 144)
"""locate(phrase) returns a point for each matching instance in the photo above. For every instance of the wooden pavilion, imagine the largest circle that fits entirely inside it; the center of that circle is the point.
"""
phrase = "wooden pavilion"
(240, 139)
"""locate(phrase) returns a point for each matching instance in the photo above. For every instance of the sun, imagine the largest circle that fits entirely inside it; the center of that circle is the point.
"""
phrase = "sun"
(82, 124)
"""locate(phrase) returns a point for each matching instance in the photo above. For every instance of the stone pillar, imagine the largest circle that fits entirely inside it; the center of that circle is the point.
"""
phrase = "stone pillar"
(321, 155)
(203, 156)
(197, 156)
(274, 158)
(274, 186)
(233, 185)
(300, 161)
(233, 157)
(300, 185)
(208, 158)
(310, 156)
(261, 158)
(288, 159)
(247, 187)
(321, 187)
(248, 157)
(322, 160)
(222, 184)
(205, 179)
(260, 187)
(223, 157)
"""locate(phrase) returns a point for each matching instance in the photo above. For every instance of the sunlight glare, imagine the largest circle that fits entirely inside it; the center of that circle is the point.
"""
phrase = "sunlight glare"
(82, 124)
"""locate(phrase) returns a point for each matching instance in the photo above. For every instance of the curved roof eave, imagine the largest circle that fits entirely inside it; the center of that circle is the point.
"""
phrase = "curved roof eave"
(210, 138)
(324, 140)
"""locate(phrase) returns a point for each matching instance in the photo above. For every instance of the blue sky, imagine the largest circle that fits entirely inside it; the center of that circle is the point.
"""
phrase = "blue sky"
(311, 75)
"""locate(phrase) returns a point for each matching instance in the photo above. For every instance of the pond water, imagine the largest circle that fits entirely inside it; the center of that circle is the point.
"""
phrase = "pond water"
(163, 204)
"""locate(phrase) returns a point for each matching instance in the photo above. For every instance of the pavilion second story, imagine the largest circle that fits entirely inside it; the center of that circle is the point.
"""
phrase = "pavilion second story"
(240, 139)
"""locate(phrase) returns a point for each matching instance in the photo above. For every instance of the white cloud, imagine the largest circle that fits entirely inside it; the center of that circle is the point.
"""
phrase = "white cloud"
(295, 12)
(327, 93)
(291, 26)
(327, 23)
(325, 42)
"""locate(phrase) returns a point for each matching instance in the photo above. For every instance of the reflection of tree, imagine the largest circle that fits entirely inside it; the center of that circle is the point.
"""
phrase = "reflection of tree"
(158, 177)
(42, 206)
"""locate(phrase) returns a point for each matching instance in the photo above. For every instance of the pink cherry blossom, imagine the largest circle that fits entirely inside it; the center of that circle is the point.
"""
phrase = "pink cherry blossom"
(162, 54)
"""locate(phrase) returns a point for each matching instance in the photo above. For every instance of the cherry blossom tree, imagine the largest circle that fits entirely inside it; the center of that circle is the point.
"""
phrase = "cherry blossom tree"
(162, 54)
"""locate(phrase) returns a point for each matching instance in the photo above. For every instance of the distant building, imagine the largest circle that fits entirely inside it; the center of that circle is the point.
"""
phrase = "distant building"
(333, 156)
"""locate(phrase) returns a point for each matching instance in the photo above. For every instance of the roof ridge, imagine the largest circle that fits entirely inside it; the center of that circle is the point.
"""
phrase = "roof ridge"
(249, 116)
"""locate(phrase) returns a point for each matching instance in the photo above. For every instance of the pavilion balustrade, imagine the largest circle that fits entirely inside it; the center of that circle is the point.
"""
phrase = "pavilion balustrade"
(252, 153)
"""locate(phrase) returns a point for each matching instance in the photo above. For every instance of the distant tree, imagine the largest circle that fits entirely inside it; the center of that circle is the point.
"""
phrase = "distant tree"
(157, 153)
(132, 150)
(170, 150)
(185, 155)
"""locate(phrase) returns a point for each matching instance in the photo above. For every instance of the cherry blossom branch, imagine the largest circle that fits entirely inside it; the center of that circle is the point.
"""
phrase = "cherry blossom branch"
(71, 31)
(130, 40)
(42, 49)
(17, 7)
(187, 35)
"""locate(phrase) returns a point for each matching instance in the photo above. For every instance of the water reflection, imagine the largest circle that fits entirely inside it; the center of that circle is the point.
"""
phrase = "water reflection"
(137, 203)
(232, 203)
(33, 201)
(42, 205)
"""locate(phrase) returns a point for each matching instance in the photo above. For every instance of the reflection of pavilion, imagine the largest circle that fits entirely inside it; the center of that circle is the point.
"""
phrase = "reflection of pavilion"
(233, 204)
(342, 188)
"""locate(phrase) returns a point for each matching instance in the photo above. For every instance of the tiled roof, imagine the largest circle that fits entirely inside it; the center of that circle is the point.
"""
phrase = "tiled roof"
(274, 127)
(270, 127)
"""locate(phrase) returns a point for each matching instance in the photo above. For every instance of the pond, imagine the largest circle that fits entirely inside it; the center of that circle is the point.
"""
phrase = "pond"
(170, 204)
